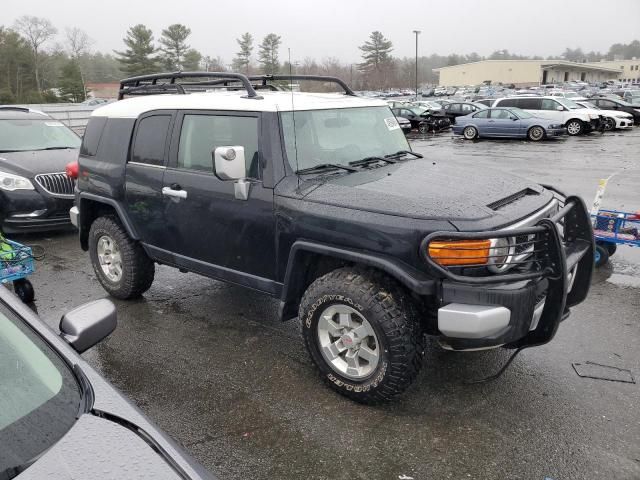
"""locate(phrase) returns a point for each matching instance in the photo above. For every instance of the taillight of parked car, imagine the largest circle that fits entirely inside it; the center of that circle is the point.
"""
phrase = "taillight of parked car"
(72, 170)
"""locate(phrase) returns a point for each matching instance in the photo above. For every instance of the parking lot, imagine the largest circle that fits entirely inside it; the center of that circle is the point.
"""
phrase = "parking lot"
(212, 365)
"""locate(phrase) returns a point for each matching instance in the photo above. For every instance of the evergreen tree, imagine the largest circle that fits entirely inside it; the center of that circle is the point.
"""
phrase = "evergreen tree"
(377, 61)
(242, 61)
(191, 61)
(268, 54)
(138, 58)
(70, 84)
(174, 46)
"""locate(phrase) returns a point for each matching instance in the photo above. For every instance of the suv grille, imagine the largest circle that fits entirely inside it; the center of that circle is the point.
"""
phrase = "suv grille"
(56, 183)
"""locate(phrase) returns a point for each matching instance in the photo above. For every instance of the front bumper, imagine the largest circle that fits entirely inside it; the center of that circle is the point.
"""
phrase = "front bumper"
(556, 132)
(32, 211)
(523, 308)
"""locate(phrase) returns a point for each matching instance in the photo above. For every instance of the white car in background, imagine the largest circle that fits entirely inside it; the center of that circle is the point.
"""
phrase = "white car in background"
(576, 119)
(614, 119)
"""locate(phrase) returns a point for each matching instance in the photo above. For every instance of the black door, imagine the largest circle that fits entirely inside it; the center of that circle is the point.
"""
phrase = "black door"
(212, 232)
(144, 177)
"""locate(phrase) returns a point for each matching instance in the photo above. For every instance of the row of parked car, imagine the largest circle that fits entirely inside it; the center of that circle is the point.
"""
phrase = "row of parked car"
(531, 116)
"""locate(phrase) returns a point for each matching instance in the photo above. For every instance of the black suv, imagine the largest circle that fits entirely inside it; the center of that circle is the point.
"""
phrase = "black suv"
(35, 192)
(317, 200)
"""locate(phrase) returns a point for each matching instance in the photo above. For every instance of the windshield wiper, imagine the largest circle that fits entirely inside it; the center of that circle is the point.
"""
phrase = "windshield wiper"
(402, 153)
(369, 160)
(326, 166)
(55, 148)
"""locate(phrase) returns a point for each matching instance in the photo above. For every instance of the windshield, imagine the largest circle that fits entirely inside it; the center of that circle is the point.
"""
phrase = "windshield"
(340, 136)
(589, 105)
(39, 396)
(35, 134)
(570, 104)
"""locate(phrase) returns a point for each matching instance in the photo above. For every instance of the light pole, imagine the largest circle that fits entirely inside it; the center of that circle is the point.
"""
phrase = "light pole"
(417, 32)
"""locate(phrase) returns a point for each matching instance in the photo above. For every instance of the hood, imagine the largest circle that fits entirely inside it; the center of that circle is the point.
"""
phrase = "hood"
(424, 189)
(100, 448)
(30, 163)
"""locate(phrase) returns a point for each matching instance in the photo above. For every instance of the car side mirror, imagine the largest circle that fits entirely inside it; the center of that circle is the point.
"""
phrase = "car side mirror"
(89, 324)
(514, 118)
(559, 108)
(229, 163)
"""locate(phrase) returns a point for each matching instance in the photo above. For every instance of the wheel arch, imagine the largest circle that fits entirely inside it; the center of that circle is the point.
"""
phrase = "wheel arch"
(309, 261)
(92, 207)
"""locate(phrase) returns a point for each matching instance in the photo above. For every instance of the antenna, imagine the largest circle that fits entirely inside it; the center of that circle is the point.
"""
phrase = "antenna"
(293, 113)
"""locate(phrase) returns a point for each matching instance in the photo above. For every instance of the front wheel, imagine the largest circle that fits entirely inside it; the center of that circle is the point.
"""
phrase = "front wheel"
(535, 134)
(363, 334)
(470, 133)
(609, 124)
(423, 127)
(575, 127)
(120, 263)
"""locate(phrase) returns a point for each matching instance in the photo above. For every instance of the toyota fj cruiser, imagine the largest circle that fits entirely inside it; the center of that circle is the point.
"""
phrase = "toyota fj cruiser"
(318, 200)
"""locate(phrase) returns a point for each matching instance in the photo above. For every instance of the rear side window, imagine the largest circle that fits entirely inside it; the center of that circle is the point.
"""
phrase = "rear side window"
(529, 103)
(482, 114)
(92, 135)
(509, 102)
(151, 137)
(548, 104)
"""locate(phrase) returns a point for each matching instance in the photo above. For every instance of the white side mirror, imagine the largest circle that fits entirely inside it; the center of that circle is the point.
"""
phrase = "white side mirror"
(229, 163)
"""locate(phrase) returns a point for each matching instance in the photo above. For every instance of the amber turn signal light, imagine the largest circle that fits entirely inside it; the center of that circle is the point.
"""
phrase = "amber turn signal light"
(460, 252)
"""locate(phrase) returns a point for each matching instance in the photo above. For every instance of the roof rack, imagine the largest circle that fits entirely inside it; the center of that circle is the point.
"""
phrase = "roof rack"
(320, 78)
(160, 83)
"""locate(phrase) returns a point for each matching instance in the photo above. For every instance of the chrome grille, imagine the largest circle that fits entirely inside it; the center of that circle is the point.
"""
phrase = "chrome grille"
(57, 184)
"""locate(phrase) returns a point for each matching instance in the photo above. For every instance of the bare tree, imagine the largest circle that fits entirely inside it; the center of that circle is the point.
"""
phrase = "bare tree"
(37, 31)
(79, 43)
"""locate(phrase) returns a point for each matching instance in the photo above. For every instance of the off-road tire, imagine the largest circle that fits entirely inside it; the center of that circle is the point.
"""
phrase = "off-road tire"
(535, 133)
(138, 270)
(575, 127)
(389, 310)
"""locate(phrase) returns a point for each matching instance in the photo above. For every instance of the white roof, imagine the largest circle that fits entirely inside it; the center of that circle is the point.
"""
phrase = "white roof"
(271, 102)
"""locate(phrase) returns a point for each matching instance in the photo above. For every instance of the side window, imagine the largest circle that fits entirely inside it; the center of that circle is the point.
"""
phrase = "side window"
(530, 103)
(92, 135)
(454, 107)
(482, 114)
(202, 134)
(548, 104)
(509, 102)
(606, 104)
(151, 137)
(466, 108)
(500, 114)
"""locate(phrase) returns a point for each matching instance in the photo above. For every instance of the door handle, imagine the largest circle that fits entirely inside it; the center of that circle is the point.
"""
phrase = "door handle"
(169, 192)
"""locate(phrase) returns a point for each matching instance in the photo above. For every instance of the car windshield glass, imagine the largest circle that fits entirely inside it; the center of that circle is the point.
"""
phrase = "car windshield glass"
(39, 395)
(35, 134)
(589, 105)
(521, 113)
(418, 110)
(570, 104)
(623, 103)
(340, 136)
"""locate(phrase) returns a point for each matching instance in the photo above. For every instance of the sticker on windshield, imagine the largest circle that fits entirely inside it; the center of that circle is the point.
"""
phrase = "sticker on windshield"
(53, 124)
(391, 123)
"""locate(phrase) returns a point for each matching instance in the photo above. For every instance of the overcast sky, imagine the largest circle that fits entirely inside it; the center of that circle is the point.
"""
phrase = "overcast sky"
(335, 28)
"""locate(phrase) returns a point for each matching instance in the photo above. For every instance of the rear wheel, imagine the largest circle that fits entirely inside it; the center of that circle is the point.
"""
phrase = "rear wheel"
(363, 334)
(470, 133)
(535, 134)
(120, 263)
(575, 127)
(423, 127)
(601, 255)
(609, 124)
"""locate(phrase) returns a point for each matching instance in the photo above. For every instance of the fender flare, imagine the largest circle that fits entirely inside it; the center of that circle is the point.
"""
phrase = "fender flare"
(293, 288)
(83, 227)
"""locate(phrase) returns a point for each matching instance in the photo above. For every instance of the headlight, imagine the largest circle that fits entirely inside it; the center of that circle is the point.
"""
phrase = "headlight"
(554, 126)
(593, 117)
(11, 182)
(502, 251)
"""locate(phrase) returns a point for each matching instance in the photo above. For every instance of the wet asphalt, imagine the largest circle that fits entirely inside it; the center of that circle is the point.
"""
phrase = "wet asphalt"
(212, 365)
